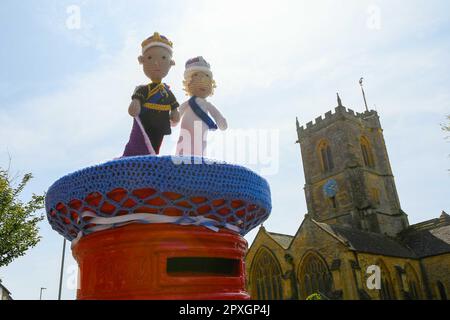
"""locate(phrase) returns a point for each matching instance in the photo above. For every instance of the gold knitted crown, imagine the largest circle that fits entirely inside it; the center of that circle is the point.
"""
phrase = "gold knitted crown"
(156, 39)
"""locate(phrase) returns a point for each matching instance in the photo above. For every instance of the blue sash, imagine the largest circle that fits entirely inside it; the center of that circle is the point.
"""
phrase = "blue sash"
(156, 97)
(202, 114)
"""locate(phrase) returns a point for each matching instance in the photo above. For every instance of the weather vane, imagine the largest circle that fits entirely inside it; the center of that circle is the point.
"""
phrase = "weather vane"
(364, 95)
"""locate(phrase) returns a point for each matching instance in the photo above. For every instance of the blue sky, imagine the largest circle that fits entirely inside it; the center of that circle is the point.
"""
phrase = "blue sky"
(64, 92)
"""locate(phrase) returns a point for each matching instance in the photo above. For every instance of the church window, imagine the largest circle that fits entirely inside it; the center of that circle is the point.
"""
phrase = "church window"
(442, 292)
(333, 202)
(367, 153)
(413, 283)
(387, 290)
(266, 276)
(314, 276)
(387, 293)
(325, 156)
(414, 294)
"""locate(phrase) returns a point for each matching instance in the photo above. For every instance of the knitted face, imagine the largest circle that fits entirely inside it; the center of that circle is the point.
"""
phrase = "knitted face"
(156, 62)
(201, 84)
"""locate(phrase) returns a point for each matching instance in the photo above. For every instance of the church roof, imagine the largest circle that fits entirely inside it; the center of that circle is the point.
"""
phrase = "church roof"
(283, 240)
(4, 288)
(424, 239)
(429, 242)
(368, 242)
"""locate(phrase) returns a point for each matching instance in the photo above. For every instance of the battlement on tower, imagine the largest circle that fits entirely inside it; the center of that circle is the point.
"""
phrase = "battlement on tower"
(368, 118)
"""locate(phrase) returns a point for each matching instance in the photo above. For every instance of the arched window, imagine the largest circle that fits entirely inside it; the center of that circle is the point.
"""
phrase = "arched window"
(413, 283)
(441, 289)
(366, 150)
(314, 276)
(266, 276)
(326, 159)
(333, 202)
(387, 290)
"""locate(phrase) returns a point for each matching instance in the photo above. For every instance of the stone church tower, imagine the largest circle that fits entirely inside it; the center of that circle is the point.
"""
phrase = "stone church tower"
(354, 223)
(348, 176)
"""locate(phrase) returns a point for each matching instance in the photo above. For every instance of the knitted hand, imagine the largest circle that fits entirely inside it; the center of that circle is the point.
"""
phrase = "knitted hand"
(222, 123)
(135, 108)
(174, 116)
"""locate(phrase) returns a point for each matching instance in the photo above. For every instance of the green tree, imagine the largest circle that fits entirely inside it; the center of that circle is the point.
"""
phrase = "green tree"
(315, 296)
(18, 221)
(446, 127)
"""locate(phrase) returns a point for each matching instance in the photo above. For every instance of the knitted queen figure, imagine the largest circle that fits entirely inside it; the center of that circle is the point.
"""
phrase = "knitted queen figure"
(195, 113)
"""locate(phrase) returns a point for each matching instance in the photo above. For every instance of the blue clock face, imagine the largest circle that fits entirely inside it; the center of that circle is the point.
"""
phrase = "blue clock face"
(330, 188)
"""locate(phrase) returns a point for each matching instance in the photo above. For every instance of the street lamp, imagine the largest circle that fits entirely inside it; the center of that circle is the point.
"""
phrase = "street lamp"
(62, 269)
(40, 296)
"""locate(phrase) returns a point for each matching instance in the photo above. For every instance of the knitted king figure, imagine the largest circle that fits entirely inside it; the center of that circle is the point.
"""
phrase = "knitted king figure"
(153, 106)
(196, 122)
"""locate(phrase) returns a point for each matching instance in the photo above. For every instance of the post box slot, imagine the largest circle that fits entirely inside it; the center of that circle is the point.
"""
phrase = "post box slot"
(203, 266)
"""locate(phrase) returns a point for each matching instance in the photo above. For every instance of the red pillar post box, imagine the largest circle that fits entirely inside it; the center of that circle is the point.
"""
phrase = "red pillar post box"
(152, 228)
